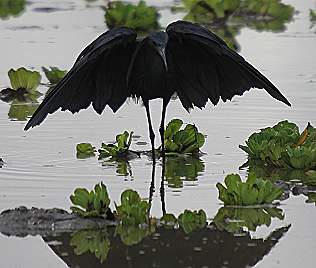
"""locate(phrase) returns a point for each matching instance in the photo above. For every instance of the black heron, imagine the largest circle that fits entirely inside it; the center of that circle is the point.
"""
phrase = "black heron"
(187, 59)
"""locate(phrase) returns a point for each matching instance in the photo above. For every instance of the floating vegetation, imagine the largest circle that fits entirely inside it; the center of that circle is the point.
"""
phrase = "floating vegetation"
(168, 221)
(54, 75)
(23, 93)
(187, 141)
(118, 150)
(139, 17)
(24, 79)
(234, 220)
(85, 150)
(182, 168)
(95, 242)
(283, 146)
(190, 221)
(12, 8)
(227, 17)
(23, 85)
(254, 191)
(312, 17)
(133, 210)
(311, 198)
(91, 204)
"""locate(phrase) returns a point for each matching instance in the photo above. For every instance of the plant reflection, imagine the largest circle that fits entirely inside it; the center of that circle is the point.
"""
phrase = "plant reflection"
(22, 104)
(179, 169)
(140, 17)
(227, 17)
(123, 167)
(91, 241)
(235, 220)
(163, 248)
(12, 8)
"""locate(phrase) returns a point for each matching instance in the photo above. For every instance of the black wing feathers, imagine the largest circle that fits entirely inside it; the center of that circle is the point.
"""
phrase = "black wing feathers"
(204, 67)
(98, 77)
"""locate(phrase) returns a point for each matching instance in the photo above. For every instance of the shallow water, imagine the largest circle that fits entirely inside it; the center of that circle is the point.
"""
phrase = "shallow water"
(41, 168)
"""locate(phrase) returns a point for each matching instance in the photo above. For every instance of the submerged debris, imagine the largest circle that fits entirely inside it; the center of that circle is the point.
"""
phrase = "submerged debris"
(22, 221)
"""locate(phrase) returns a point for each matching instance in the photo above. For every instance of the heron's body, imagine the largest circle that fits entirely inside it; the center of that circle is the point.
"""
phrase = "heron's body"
(187, 59)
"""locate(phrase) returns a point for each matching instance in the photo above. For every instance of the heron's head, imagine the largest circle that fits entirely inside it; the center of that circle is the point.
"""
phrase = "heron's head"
(159, 40)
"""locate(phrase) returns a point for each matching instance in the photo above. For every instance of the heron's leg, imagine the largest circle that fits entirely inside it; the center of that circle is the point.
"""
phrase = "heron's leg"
(162, 126)
(162, 187)
(152, 184)
(151, 131)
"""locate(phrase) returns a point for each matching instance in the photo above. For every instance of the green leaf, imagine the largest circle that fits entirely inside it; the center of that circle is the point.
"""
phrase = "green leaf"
(54, 75)
(172, 128)
(254, 191)
(139, 17)
(91, 204)
(85, 150)
(24, 79)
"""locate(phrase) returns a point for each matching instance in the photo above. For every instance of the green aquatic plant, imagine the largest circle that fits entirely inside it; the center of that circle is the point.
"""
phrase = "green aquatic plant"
(11, 8)
(283, 146)
(85, 150)
(168, 221)
(190, 221)
(311, 198)
(182, 141)
(234, 220)
(312, 17)
(310, 179)
(301, 157)
(218, 8)
(23, 79)
(91, 204)
(254, 191)
(133, 210)
(139, 17)
(118, 150)
(268, 8)
(54, 75)
(91, 241)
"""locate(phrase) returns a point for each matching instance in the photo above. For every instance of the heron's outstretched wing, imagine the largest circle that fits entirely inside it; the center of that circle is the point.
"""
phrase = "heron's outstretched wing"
(98, 76)
(202, 67)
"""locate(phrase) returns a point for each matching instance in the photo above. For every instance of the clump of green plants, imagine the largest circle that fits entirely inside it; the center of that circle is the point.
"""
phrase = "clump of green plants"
(254, 191)
(93, 241)
(118, 150)
(190, 221)
(85, 150)
(140, 17)
(11, 8)
(283, 146)
(269, 8)
(312, 17)
(182, 141)
(311, 198)
(218, 8)
(168, 220)
(54, 75)
(234, 220)
(133, 210)
(24, 79)
(94, 203)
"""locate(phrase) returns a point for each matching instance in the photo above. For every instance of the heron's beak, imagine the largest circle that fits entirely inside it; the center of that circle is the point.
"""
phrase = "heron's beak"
(162, 53)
